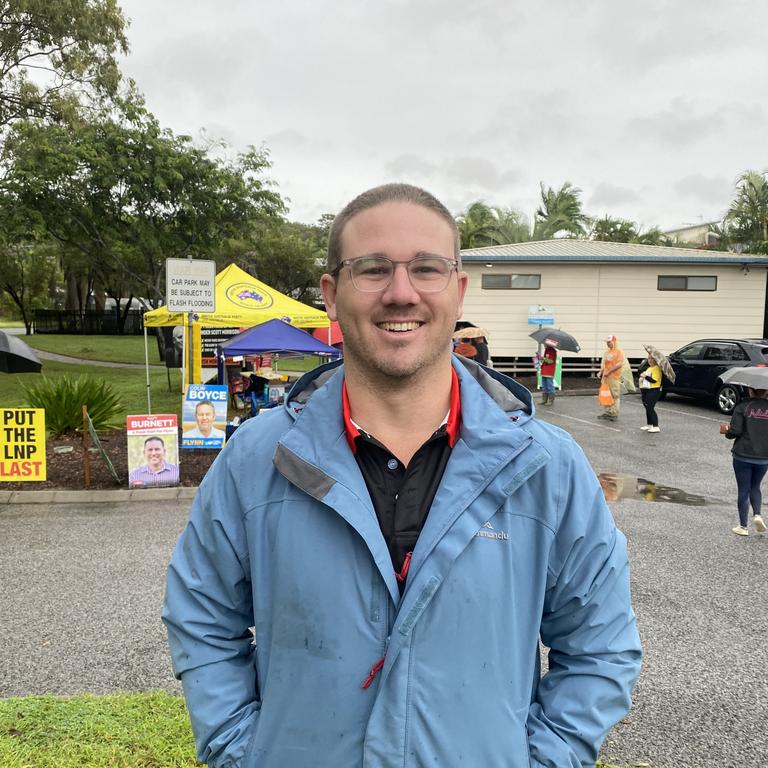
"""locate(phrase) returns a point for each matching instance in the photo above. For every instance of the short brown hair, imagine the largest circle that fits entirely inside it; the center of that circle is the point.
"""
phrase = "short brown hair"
(386, 193)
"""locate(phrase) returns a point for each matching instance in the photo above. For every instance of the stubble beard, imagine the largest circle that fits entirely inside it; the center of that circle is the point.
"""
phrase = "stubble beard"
(390, 373)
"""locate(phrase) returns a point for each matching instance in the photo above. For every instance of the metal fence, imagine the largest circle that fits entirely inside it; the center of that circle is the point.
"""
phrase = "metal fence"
(89, 321)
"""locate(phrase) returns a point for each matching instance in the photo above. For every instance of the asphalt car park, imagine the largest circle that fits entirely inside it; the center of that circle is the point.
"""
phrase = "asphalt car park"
(83, 587)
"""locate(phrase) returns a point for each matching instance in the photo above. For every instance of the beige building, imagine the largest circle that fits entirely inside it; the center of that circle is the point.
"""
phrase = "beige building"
(643, 294)
(695, 234)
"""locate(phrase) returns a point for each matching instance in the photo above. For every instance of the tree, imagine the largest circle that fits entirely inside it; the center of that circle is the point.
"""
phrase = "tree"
(560, 212)
(482, 225)
(613, 230)
(28, 263)
(746, 222)
(288, 256)
(52, 49)
(121, 194)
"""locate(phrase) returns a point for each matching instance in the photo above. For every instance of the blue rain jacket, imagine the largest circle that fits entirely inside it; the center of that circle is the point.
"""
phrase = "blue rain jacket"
(519, 545)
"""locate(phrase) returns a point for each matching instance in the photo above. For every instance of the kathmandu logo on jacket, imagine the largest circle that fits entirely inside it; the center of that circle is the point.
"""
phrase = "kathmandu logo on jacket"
(489, 532)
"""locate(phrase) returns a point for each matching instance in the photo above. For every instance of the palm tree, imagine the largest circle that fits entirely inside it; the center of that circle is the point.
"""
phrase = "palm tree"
(560, 212)
(482, 225)
(511, 226)
(613, 230)
(746, 221)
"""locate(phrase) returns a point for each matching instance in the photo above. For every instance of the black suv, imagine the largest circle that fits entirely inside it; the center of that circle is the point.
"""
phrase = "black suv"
(698, 366)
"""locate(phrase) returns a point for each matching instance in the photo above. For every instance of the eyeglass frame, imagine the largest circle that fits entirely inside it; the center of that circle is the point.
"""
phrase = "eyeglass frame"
(453, 263)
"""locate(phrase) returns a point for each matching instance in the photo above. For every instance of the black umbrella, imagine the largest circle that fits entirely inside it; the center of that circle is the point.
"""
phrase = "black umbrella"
(16, 356)
(556, 338)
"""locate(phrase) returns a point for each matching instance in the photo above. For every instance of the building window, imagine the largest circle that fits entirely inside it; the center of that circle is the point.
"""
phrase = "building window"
(497, 282)
(683, 283)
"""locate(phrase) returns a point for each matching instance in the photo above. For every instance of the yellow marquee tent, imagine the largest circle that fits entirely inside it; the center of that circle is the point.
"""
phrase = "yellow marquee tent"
(242, 300)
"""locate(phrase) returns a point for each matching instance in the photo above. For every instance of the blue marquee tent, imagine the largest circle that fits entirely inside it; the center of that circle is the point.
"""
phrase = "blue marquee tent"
(274, 336)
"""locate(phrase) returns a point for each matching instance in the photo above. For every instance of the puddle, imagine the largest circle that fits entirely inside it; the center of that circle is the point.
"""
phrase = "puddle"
(617, 486)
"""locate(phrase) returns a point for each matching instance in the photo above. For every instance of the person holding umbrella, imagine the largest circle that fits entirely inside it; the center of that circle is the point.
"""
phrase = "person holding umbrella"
(650, 385)
(749, 431)
(650, 389)
(548, 367)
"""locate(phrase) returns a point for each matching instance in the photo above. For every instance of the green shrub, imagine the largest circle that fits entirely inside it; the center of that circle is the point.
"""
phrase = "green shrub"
(63, 399)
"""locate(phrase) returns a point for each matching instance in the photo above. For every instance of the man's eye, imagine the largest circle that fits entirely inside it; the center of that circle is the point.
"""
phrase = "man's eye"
(427, 269)
(373, 270)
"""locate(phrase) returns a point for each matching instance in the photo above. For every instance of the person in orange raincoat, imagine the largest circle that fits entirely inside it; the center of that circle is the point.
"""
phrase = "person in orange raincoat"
(610, 374)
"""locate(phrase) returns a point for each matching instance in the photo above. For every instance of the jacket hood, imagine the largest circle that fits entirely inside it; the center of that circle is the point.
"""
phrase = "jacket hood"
(511, 397)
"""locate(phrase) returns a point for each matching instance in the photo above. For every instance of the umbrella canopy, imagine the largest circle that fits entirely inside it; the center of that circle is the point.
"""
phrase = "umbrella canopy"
(471, 332)
(556, 338)
(754, 378)
(16, 356)
(275, 336)
(661, 359)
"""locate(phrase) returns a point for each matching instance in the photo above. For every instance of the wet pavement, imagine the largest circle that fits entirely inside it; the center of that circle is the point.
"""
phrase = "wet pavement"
(617, 486)
(698, 590)
(82, 588)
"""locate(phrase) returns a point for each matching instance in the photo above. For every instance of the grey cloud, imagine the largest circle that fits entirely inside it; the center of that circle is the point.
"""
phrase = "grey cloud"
(663, 34)
(714, 190)
(472, 170)
(609, 195)
(677, 126)
(286, 139)
(407, 166)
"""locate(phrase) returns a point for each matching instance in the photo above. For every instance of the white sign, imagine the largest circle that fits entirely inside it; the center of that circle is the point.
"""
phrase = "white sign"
(190, 285)
(538, 314)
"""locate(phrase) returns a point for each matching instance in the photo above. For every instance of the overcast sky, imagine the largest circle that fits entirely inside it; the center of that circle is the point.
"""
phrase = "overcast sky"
(652, 108)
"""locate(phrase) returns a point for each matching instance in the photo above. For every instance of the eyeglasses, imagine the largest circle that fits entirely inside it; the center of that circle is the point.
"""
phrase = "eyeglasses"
(370, 274)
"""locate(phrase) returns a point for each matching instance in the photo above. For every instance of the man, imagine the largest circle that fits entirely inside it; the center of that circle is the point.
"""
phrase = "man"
(610, 374)
(399, 535)
(156, 471)
(205, 415)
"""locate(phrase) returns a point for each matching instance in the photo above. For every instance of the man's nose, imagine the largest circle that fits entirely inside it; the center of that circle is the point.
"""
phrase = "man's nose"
(401, 290)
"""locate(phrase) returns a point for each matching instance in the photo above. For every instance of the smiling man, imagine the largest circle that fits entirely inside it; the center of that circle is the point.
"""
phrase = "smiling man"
(156, 471)
(205, 416)
(401, 535)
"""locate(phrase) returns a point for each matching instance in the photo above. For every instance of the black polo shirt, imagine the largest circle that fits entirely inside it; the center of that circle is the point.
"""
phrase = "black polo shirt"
(402, 496)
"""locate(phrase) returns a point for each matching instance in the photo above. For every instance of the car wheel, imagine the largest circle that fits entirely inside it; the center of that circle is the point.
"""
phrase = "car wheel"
(726, 398)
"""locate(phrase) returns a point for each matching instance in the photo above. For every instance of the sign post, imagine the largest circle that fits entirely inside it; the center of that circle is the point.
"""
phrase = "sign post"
(190, 286)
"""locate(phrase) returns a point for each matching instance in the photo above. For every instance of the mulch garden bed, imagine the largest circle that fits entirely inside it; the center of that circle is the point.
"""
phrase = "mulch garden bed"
(65, 470)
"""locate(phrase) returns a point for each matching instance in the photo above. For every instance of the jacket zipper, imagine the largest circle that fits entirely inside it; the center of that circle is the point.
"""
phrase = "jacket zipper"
(376, 668)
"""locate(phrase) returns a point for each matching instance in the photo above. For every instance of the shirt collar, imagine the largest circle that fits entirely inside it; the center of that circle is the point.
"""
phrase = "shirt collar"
(452, 421)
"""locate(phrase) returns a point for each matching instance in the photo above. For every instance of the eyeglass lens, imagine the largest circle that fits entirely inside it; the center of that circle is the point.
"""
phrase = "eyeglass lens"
(375, 273)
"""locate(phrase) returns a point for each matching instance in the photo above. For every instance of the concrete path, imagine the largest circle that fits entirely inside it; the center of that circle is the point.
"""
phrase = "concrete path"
(43, 355)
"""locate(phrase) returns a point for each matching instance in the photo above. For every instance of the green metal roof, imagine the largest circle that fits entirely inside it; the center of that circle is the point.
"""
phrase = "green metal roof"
(569, 250)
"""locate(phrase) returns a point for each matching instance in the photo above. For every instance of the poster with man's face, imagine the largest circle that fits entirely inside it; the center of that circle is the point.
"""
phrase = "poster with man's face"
(153, 450)
(204, 416)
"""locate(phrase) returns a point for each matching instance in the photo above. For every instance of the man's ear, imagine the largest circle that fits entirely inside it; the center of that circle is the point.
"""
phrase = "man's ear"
(328, 289)
(462, 282)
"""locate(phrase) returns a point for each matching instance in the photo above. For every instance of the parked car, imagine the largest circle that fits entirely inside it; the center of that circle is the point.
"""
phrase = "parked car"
(698, 366)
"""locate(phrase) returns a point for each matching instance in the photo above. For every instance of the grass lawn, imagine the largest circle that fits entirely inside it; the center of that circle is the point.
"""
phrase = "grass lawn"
(129, 382)
(144, 730)
(112, 349)
(137, 730)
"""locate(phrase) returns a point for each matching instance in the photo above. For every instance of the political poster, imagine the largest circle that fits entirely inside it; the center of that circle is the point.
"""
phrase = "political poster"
(22, 445)
(204, 416)
(153, 450)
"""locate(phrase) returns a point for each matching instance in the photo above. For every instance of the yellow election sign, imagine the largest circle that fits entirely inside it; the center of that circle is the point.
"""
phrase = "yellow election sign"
(22, 444)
